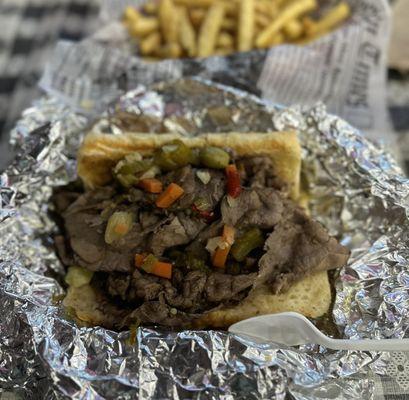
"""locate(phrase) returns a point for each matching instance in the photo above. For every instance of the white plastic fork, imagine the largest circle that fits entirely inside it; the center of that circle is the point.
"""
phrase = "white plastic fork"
(292, 329)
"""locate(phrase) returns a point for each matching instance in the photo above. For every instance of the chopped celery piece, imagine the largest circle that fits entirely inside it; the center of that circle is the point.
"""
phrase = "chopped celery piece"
(127, 170)
(173, 155)
(247, 242)
(214, 157)
(119, 224)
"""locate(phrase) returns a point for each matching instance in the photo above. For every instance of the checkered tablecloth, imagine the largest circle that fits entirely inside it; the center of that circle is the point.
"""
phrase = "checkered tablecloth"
(29, 30)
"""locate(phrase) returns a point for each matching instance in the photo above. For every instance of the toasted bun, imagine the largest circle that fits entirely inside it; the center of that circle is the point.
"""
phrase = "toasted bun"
(100, 152)
(91, 307)
(310, 297)
(84, 302)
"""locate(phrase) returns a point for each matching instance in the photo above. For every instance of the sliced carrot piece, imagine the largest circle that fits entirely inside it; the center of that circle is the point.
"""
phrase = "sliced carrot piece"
(169, 196)
(159, 268)
(162, 269)
(221, 253)
(151, 185)
(139, 259)
(220, 257)
(121, 229)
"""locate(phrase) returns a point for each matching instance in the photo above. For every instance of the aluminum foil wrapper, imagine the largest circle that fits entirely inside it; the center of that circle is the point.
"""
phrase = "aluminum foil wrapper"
(357, 192)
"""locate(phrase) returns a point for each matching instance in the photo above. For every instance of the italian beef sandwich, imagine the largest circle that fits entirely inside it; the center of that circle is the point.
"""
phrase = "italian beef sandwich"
(191, 232)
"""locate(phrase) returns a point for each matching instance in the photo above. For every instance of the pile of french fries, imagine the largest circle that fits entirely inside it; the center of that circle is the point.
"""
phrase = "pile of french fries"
(202, 28)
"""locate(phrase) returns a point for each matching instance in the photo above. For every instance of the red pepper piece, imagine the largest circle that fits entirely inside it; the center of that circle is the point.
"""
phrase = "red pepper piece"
(233, 181)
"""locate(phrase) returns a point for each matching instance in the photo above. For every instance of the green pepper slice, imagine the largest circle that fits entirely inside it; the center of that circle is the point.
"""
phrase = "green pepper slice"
(127, 170)
(249, 241)
(173, 155)
(214, 157)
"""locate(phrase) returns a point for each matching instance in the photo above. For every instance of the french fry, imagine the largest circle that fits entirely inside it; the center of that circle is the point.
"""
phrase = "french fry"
(175, 28)
(210, 29)
(225, 40)
(150, 8)
(131, 15)
(150, 43)
(278, 39)
(170, 50)
(307, 23)
(246, 25)
(224, 51)
(229, 24)
(262, 20)
(304, 40)
(231, 7)
(195, 3)
(262, 7)
(187, 34)
(168, 21)
(329, 21)
(197, 15)
(274, 10)
(293, 29)
(144, 26)
(282, 3)
(292, 11)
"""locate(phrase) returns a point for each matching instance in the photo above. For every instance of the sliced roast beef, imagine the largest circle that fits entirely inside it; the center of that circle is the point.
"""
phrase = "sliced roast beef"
(175, 231)
(62, 250)
(212, 192)
(149, 220)
(261, 207)
(90, 249)
(118, 284)
(190, 294)
(168, 235)
(144, 287)
(111, 261)
(296, 247)
(62, 200)
(94, 200)
(157, 313)
(85, 240)
(195, 190)
(258, 172)
(192, 224)
(223, 287)
(194, 292)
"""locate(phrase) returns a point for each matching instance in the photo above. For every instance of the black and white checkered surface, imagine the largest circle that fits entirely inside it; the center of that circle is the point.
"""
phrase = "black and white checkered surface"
(29, 30)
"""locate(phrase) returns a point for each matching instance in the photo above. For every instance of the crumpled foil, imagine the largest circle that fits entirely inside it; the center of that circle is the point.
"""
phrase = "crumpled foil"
(357, 191)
